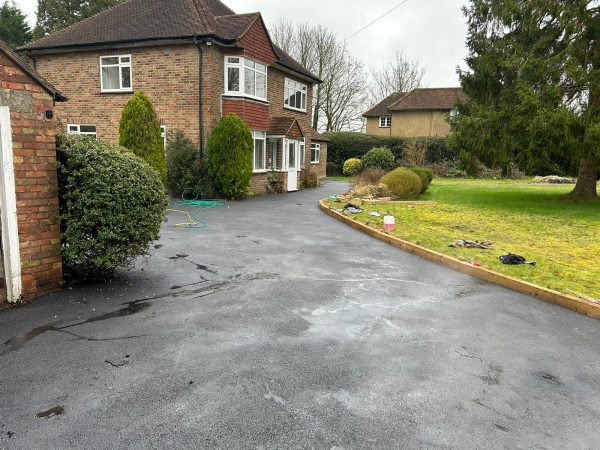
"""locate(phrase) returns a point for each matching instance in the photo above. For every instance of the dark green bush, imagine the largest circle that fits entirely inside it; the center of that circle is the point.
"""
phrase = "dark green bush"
(111, 206)
(184, 175)
(334, 169)
(426, 176)
(345, 145)
(379, 158)
(229, 156)
(139, 131)
(403, 183)
(352, 167)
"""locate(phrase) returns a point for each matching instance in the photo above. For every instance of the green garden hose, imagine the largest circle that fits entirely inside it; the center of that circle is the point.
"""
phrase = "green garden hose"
(201, 205)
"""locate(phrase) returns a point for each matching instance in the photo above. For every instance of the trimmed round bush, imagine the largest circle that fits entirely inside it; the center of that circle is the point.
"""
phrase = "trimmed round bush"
(352, 166)
(426, 176)
(139, 131)
(229, 156)
(111, 206)
(184, 174)
(379, 158)
(403, 183)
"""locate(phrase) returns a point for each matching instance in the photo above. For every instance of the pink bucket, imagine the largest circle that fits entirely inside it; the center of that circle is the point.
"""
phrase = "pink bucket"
(389, 223)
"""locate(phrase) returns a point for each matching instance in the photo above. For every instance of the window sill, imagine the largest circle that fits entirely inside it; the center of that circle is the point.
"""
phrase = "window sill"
(260, 171)
(117, 91)
(294, 109)
(247, 97)
(385, 128)
(315, 162)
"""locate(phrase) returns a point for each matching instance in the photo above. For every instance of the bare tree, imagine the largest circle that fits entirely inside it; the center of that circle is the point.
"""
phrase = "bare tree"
(399, 75)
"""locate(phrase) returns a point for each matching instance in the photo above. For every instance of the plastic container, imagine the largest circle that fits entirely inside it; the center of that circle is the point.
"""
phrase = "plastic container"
(389, 223)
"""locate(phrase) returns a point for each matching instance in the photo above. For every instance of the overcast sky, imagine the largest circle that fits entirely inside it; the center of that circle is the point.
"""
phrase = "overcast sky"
(432, 31)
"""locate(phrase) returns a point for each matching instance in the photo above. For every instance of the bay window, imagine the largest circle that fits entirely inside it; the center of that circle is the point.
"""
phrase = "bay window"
(295, 95)
(115, 73)
(259, 152)
(245, 77)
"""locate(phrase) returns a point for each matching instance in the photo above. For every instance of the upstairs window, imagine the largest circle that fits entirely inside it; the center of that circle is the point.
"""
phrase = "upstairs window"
(315, 153)
(385, 122)
(245, 77)
(295, 95)
(115, 73)
(81, 130)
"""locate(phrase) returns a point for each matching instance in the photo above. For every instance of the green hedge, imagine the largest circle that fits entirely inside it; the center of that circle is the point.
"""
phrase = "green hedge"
(345, 145)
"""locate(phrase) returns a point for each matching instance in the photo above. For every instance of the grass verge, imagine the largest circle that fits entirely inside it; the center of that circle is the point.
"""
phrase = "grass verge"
(518, 217)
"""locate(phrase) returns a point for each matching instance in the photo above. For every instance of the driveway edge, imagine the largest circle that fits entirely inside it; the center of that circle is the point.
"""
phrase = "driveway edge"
(573, 303)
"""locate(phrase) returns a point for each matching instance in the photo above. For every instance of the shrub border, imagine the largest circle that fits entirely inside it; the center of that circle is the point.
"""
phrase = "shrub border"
(581, 306)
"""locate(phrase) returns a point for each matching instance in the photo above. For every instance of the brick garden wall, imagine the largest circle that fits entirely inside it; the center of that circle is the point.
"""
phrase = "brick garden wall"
(34, 155)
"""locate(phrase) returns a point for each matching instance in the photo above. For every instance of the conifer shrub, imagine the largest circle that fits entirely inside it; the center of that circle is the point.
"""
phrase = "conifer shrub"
(139, 131)
(229, 156)
(403, 183)
(111, 207)
(352, 167)
(184, 171)
(380, 158)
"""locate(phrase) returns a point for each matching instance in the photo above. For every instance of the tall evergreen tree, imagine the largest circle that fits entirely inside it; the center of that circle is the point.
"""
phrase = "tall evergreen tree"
(14, 29)
(533, 83)
(54, 15)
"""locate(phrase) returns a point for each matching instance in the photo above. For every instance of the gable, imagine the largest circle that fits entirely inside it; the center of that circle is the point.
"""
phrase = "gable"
(257, 44)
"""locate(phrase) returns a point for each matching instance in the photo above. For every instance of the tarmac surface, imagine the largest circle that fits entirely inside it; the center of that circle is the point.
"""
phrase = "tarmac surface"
(279, 327)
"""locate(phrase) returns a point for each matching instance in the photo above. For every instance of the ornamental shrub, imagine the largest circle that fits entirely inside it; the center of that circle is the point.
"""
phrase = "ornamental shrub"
(352, 167)
(403, 183)
(139, 131)
(426, 176)
(184, 174)
(229, 156)
(379, 158)
(111, 206)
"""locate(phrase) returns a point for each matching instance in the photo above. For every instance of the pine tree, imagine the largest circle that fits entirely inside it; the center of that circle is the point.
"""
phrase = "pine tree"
(14, 29)
(139, 131)
(54, 15)
(533, 83)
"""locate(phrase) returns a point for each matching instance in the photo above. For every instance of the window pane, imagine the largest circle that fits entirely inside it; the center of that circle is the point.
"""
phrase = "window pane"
(259, 154)
(272, 153)
(298, 99)
(233, 60)
(125, 59)
(261, 67)
(261, 85)
(250, 85)
(110, 60)
(233, 78)
(110, 78)
(73, 128)
(249, 63)
(292, 155)
(87, 128)
(125, 77)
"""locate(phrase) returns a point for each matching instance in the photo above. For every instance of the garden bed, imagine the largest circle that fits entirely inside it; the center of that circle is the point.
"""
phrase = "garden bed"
(517, 216)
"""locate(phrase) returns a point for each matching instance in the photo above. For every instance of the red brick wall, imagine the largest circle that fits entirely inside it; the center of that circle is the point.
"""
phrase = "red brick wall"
(168, 75)
(256, 43)
(254, 113)
(36, 184)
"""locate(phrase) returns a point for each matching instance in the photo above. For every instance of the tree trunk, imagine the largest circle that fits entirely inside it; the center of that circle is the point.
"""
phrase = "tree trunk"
(585, 189)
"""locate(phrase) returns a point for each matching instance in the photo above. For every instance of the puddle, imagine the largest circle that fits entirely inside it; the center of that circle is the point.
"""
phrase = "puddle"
(52, 412)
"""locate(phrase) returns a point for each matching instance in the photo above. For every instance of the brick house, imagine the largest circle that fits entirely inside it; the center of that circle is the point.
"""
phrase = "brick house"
(197, 60)
(418, 113)
(31, 264)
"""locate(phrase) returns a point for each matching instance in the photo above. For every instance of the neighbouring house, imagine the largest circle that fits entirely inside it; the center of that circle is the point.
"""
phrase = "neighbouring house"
(31, 264)
(421, 112)
(197, 60)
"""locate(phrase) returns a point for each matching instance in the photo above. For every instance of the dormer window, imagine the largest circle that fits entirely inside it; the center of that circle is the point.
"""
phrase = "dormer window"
(245, 77)
(385, 122)
(115, 73)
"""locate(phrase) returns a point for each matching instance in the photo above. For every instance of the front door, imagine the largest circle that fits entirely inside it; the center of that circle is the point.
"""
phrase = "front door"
(292, 166)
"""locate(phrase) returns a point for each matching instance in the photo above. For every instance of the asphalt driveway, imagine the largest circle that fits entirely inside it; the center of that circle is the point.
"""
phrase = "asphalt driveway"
(279, 327)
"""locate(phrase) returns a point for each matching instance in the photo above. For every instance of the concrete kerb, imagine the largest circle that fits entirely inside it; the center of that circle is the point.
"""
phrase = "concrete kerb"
(581, 306)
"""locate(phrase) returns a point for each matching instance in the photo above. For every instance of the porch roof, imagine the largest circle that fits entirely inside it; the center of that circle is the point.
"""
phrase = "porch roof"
(283, 126)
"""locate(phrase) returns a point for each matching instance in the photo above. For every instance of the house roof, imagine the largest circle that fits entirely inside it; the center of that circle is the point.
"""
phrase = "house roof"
(282, 126)
(31, 72)
(429, 99)
(381, 108)
(316, 136)
(152, 20)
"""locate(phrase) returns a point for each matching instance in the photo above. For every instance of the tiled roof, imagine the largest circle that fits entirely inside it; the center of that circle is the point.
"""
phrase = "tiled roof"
(430, 99)
(316, 136)
(288, 62)
(280, 126)
(381, 108)
(31, 72)
(233, 26)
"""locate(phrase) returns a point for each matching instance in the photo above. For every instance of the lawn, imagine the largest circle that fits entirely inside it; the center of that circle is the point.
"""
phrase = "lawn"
(518, 217)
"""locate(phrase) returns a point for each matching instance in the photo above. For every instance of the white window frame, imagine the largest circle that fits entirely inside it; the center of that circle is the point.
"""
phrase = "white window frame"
(295, 87)
(259, 136)
(316, 147)
(77, 129)
(121, 65)
(241, 66)
(385, 122)
(302, 152)
(163, 135)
